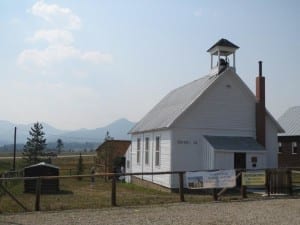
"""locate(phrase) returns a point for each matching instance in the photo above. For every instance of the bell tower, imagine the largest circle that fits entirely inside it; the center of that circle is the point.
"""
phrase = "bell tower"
(223, 50)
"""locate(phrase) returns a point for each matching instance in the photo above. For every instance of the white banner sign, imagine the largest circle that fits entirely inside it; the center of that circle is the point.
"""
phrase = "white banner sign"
(215, 179)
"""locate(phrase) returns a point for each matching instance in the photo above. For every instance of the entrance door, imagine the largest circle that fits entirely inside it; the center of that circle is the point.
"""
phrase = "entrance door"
(239, 163)
(239, 160)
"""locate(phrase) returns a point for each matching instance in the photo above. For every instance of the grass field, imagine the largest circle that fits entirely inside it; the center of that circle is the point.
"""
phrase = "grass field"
(66, 165)
(76, 193)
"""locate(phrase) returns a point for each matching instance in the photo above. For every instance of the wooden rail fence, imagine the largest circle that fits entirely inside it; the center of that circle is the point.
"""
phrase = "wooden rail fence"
(276, 180)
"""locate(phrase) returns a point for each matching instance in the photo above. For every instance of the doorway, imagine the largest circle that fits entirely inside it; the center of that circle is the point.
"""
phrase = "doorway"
(239, 160)
(239, 163)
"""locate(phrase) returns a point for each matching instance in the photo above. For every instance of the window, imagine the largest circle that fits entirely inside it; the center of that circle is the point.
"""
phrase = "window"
(138, 150)
(147, 151)
(279, 147)
(157, 151)
(294, 148)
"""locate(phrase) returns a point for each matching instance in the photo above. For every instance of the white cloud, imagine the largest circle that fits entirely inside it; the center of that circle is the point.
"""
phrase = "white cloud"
(97, 57)
(56, 15)
(59, 53)
(48, 56)
(60, 41)
(53, 36)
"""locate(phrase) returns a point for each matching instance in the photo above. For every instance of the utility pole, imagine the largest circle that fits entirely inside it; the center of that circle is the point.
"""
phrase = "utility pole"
(15, 145)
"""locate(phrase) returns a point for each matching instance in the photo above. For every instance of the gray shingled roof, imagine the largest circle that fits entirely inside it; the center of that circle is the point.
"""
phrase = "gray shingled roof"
(178, 101)
(173, 105)
(225, 43)
(234, 143)
(290, 121)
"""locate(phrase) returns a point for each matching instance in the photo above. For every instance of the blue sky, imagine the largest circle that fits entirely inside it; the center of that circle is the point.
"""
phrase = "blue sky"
(78, 64)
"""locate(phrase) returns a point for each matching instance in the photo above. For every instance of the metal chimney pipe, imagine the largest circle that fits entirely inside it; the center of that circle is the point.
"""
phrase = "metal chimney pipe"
(260, 68)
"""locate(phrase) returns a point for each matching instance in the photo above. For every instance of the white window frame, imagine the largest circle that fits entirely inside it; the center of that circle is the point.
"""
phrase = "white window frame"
(147, 147)
(157, 151)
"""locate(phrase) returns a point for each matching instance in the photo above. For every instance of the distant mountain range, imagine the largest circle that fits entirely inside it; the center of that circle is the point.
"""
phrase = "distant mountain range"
(117, 129)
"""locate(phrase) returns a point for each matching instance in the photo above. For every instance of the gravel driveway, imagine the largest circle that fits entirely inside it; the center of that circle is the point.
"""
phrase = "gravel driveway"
(265, 212)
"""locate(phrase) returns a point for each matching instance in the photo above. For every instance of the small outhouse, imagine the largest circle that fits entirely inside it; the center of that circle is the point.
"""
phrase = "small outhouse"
(39, 170)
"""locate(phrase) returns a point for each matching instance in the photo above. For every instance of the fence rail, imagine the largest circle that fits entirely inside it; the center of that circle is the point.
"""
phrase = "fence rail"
(277, 180)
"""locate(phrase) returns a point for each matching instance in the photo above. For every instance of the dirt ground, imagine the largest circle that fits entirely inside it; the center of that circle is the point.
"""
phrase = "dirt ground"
(264, 212)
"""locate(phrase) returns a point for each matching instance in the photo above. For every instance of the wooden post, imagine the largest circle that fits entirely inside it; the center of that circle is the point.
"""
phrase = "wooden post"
(268, 189)
(113, 191)
(38, 194)
(15, 144)
(181, 189)
(244, 191)
(289, 180)
(215, 194)
(243, 188)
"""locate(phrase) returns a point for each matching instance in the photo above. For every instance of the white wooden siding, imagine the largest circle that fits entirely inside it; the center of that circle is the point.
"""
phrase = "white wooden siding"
(261, 160)
(190, 152)
(165, 157)
(128, 156)
(225, 109)
(135, 167)
(225, 159)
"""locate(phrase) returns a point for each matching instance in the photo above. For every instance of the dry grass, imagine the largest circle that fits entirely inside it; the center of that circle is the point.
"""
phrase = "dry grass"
(68, 165)
(75, 194)
(78, 194)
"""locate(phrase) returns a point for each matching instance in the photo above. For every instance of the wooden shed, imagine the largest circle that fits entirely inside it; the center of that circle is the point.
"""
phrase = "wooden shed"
(110, 155)
(39, 170)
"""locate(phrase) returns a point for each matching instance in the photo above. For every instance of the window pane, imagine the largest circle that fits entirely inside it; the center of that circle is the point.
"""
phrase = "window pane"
(138, 147)
(157, 158)
(157, 151)
(138, 144)
(294, 148)
(138, 156)
(147, 157)
(147, 144)
(157, 144)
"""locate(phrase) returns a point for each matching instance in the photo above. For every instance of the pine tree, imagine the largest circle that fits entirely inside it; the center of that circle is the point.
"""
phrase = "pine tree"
(35, 145)
(59, 145)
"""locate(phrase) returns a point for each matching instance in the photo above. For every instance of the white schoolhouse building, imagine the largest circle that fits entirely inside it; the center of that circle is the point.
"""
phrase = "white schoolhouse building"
(215, 122)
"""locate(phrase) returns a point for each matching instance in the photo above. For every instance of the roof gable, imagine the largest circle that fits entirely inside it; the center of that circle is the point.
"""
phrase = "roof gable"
(177, 102)
(290, 121)
(268, 114)
(224, 43)
(173, 105)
